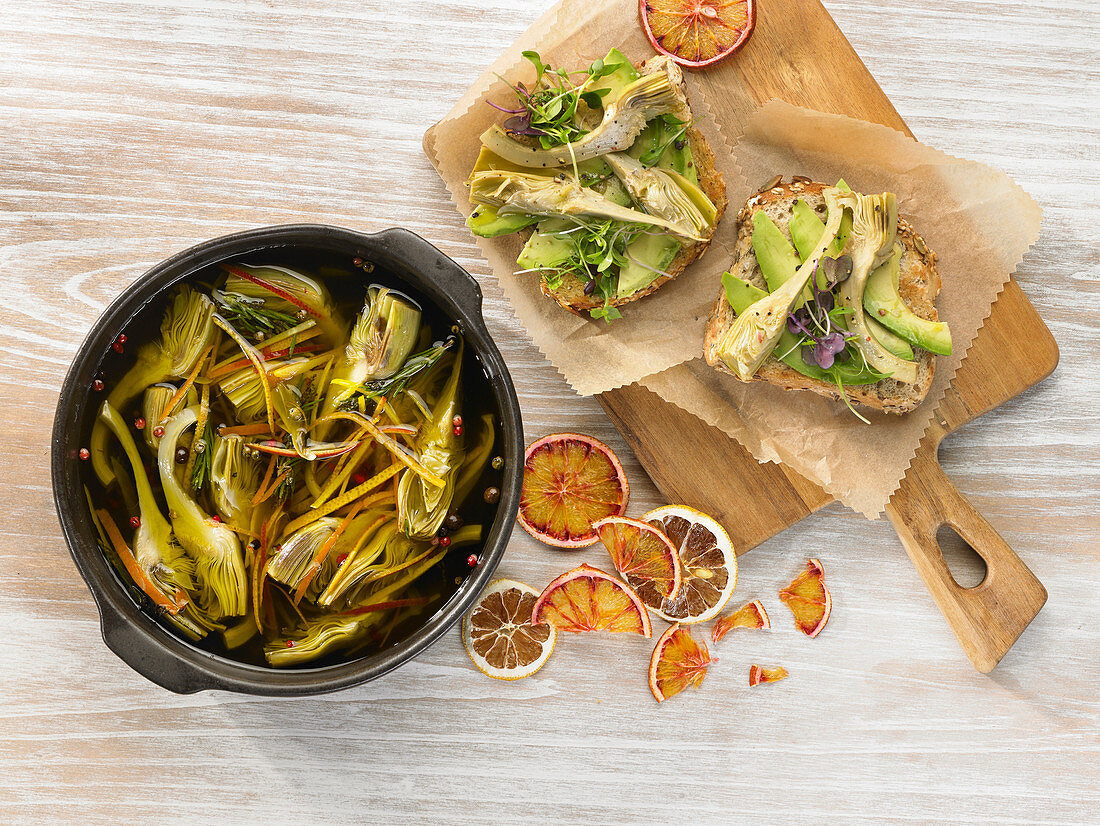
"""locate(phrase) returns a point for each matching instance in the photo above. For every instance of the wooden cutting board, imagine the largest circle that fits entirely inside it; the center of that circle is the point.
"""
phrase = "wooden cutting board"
(798, 54)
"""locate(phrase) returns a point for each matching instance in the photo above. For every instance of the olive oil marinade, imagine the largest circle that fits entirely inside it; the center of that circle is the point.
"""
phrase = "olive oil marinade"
(291, 458)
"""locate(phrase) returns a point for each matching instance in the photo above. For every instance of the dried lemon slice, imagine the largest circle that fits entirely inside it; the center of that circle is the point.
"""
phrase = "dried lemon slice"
(708, 564)
(499, 635)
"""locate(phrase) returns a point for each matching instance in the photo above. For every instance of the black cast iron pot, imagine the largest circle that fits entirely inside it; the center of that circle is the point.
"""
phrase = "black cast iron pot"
(136, 637)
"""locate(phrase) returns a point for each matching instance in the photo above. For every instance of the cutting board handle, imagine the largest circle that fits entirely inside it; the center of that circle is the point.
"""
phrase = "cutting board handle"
(988, 618)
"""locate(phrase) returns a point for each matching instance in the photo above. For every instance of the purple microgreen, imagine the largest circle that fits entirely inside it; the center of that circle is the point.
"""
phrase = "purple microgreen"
(508, 111)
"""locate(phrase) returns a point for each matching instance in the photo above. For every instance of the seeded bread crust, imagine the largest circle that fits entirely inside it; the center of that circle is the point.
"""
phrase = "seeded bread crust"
(918, 283)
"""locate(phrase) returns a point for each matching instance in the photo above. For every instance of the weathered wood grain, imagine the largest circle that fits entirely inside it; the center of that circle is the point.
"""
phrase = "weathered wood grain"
(131, 130)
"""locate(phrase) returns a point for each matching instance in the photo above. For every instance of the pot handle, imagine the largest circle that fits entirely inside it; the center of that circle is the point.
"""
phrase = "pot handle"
(452, 279)
(133, 646)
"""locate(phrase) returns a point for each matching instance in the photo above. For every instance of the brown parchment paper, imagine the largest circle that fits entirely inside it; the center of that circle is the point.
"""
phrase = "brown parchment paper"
(974, 217)
(654, 333)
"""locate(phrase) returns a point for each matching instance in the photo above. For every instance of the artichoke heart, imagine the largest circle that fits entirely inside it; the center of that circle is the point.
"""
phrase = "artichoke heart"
(535, 194)
(219, 563)
(291, 564)
(234, 479)
(185, 332)
(658, 92)
(874, 227)
(755, 332)
(666, 194)
(381, 340)
(289, 291)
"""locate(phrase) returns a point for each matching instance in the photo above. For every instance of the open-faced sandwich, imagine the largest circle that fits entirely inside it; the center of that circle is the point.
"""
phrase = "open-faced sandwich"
(603, 169)
(830, 291)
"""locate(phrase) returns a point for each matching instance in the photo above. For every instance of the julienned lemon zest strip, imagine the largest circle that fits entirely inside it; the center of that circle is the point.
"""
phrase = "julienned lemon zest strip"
(180, 394)
(350, 496)
(399, 451)
(322, 553)
(257, 362)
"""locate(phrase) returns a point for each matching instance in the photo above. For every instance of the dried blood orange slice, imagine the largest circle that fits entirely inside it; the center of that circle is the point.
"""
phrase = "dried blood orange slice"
(643, 555)
(750, 615)
(759, 674)
(697, 33)
(808, 599)
(708, 564)
(499, 635)
(587, 599)
(569, 482)
(677, 662)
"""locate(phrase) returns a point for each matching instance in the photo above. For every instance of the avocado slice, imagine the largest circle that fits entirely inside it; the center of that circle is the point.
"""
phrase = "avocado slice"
(485, 221)
(806, 229)
(545, 249)
(740, 294)
(884, 304)
(650, 253)
(622, 76)
(778, 260)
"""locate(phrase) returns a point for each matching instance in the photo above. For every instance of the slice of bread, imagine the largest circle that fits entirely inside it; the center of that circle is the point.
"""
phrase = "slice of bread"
(919, 282)
(570, 293)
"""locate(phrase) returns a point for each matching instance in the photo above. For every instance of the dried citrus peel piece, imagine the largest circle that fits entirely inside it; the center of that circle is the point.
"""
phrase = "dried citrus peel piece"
(643, 555)
(570, 481)
(498, 633)
(808, 599)
(750, 615)
(588, 599)
(677, 662)
(758, 674)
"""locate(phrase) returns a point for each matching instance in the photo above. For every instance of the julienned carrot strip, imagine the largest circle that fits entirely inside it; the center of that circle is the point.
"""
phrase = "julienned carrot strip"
(137, 574)
(274, 486)
(182, 392)
(263, 484)
(226, 367)
(271, 288)
(266, 532)
(322, 553)
(340, 501)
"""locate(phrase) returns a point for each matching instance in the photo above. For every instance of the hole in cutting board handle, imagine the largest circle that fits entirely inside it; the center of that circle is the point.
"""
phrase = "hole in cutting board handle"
(967, 567)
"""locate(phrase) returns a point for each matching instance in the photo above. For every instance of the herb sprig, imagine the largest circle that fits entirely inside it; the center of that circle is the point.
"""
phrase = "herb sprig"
(251, 317)
(548, 110)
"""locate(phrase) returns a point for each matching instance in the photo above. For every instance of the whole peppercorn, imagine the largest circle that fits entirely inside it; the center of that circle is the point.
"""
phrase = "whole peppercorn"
(445, 541)
(139, 423)
(97, 385)
(471, 560)
(181, 455)
(453, 522)
(158, 431)
(121, 338)
(492, 495)
(85, 454)
(135, 522)
(498, 462)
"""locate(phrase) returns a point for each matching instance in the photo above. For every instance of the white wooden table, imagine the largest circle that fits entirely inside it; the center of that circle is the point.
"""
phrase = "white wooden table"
(130, 130)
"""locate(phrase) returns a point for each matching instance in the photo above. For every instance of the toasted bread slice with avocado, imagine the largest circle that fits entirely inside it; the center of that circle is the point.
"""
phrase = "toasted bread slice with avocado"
(918, 285)
(570, 293)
